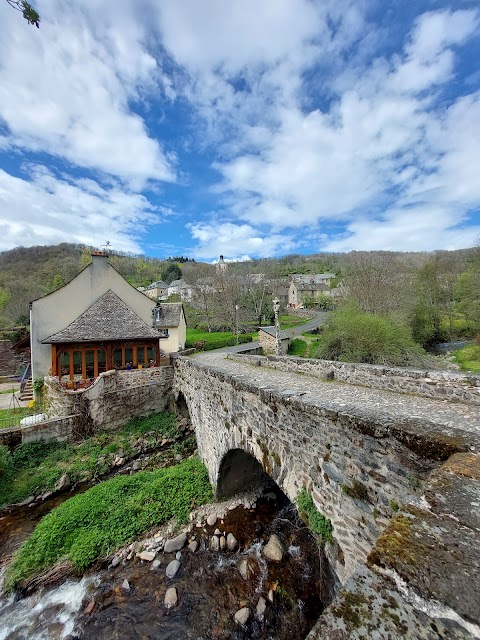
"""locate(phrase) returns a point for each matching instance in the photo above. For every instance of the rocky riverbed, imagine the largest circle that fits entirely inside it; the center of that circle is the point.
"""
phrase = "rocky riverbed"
(244, 568)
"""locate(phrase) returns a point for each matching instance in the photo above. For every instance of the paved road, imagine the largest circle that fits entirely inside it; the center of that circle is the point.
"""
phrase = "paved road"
(318, 319)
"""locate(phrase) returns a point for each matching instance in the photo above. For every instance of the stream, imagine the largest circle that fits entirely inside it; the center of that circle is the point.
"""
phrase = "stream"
(128, 600)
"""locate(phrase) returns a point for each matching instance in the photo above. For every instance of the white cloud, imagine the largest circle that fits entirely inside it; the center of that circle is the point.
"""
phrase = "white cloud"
(48, 210)
(387, 143)
(66, 89)
(235, 241)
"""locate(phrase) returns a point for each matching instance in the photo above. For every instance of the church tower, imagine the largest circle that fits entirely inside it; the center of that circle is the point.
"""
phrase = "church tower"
(221, 265)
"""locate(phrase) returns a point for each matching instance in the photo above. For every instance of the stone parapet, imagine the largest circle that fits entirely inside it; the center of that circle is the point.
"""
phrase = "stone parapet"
(441, 385)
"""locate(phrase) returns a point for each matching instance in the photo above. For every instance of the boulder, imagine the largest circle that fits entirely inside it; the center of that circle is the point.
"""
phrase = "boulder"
(175, 544)
(274, 549)
(212, 519)
(148, 556)
(62, 483)
(171, 597)
(232, 542)
(172, 568)
(242, 616)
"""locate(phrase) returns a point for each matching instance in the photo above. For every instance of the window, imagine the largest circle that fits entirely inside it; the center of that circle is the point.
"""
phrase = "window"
(163, 333)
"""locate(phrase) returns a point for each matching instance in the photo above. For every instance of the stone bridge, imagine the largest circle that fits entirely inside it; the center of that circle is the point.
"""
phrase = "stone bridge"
(391, 456)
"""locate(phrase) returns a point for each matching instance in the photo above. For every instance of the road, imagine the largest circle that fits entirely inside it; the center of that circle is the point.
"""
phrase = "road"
(318, 319)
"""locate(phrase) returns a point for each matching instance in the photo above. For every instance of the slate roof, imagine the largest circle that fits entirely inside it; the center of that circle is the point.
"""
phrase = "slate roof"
(307, 278)
(109, 318)
(159, 284)
(168, 314)
(311, 286)
(283, 334)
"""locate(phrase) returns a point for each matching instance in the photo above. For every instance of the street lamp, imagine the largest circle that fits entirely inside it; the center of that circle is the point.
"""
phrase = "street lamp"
(236, 321)
(276, 309)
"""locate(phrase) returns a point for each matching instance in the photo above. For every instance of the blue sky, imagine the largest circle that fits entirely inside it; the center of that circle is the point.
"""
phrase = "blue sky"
(252, 129)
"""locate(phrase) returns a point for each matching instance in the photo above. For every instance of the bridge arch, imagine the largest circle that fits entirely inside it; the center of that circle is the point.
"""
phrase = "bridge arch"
(239, 471)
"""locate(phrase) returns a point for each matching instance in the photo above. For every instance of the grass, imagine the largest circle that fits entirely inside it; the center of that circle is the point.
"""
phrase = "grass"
(12, 417)
(95, 523)
(469, 358)
(297, 347)
(216, 339)
(33, 468)
(287, 322)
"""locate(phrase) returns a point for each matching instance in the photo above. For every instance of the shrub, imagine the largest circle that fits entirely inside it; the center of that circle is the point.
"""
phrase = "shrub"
(96, 522)
(352, 335)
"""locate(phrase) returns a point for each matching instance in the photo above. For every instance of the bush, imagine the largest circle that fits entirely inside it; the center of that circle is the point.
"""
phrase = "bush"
(297, 347)
(96, 522)
(352, 335)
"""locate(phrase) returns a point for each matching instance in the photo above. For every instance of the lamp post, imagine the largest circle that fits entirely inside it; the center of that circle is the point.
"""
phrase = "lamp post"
(276, 309)
(236, 322)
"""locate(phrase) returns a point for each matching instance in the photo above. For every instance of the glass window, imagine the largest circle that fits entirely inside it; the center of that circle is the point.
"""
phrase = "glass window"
(64, 366)
(151, 355)
(141, 355)
(102, 360)
(89, 369)
(117, 358)
(128, 356)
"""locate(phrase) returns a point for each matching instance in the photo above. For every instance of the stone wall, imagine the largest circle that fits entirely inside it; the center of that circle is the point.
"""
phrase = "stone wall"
(441, 385)
(9, 361)
(358, 470)
(268, 343)
(54, 429)
(114, 398)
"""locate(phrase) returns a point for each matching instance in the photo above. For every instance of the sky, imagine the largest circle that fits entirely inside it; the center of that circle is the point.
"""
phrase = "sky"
(250, 129)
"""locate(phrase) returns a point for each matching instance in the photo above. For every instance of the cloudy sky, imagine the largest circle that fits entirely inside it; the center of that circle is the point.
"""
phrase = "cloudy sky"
(249, 128)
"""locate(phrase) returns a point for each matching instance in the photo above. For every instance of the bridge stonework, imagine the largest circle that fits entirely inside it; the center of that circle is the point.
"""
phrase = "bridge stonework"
(361, 469)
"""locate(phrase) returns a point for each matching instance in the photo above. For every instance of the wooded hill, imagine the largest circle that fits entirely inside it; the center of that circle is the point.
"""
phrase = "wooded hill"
(433, 292)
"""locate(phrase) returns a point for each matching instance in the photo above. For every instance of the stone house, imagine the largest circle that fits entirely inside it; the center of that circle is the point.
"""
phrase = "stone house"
(181, 288)
(304, 287)
(266, 340)
(156, 290)
(169, 320)
(94, 323)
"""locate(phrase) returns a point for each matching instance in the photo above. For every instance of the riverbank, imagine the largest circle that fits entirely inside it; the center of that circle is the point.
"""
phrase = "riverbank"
(34, 472)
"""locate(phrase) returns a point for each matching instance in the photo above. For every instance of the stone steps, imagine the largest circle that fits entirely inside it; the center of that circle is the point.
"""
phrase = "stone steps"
(27, 393)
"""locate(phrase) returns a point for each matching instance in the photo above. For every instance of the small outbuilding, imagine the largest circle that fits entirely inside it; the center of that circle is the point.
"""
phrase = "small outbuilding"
(266, 339)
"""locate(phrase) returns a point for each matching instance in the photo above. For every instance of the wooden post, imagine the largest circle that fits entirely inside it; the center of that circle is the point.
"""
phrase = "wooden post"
(72, 369)
(54, 360)
(84, 364)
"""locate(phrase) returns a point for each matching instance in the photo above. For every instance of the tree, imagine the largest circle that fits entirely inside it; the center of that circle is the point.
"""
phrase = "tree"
(28, 12)
(171, 273)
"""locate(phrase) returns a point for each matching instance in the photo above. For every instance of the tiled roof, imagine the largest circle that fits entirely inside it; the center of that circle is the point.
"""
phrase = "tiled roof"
(109, 318)
(311, 286)
(157, 285)
(168, 314)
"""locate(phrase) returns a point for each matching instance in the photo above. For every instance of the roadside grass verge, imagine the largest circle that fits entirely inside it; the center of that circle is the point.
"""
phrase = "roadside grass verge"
(287, 322)
(468, 358)
(33, 468)
(215, 339)
(95, 523)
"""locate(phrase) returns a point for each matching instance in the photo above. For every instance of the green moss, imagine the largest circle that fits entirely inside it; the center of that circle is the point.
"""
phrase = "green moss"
(357, 490)
(317, 522)
(394, 505)
(276, 458)
(109, 515)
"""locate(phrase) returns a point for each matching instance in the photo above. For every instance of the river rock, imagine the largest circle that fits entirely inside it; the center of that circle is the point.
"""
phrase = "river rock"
(137, 465)
(126, 585)
(148, 556)
(175, 544)
(222, 542)
(193, 546)
(217, 532)
(245, 569)
(178, 555)
(62, 483)
(242, 616)
(116, 561)
(261, 606)
(89, 608)
(214, 543)
(232, 542)
(171, 597)
(172, 568)
(155, 565)
(211, 520)
(274, 549)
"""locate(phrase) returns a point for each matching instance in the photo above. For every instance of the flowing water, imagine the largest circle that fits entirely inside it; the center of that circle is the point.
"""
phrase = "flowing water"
(209, 584)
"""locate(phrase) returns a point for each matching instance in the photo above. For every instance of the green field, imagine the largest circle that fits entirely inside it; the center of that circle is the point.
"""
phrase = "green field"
(469, 358)
(12, 417)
